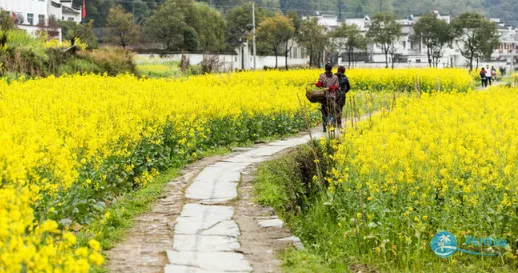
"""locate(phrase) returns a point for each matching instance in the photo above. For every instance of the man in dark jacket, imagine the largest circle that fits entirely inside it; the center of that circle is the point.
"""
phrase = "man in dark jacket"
(344, 88)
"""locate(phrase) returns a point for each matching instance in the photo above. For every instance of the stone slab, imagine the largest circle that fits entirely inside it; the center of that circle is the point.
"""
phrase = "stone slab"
(198, 211)
(224, 228)
(264, 151)
(295, 240)
(205, 243)
(243, 159)
(206, 220)
(212, 262)
(277, 223)
(290, 142)
(216, 191)
(187, 269)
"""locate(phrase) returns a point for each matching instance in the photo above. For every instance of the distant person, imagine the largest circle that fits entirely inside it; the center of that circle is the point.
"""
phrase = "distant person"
(483, 77)
(329, 81)
(345, 86)
(489, 79)
(493, 73)
(501, 71)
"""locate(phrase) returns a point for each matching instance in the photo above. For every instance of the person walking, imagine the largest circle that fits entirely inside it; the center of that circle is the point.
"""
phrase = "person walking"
(493, 73)
(329, 81)
(489, 79)
(483, 77)
(345, 86)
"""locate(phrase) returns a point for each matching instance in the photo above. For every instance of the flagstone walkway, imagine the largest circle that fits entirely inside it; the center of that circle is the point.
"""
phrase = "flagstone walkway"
(205, 223)
(206, 237)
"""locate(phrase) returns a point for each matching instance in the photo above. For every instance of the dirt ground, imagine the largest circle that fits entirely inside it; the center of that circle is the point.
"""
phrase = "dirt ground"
(259, 245)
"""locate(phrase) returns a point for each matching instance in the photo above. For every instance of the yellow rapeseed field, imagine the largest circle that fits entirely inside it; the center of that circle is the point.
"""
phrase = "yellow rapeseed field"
(438, 162)
(69, 145)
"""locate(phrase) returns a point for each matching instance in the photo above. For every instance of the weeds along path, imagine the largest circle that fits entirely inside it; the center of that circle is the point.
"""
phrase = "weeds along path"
(197, 231)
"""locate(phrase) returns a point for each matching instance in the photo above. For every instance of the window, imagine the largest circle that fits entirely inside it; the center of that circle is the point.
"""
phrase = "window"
(295, 52)
(41, 19)
(71, 19)
(30, 18)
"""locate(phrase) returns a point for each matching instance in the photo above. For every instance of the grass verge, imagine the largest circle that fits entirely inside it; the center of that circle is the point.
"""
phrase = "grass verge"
(287, 185)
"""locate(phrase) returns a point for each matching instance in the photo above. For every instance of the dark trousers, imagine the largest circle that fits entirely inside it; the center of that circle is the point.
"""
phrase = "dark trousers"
(484, 82)
(340, 103)
(325, 115)
(329, 109)
(490, 80)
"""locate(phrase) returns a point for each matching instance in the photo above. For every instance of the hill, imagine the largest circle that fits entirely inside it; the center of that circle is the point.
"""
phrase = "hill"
(504, 9)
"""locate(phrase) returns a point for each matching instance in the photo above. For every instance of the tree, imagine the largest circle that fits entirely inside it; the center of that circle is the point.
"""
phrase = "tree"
(476, 36)
(97, 11)
(384, 31)
(295, 19)
(84, 32)
(239, 23)
(351, 38)
(210, 27)
(6, 21)
(141, 12)
(435, 34)
(167, 25)
(191, 41)
(120, 27)
(314, 38)
(275, 32)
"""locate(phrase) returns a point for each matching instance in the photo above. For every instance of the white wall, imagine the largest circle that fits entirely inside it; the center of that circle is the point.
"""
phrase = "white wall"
(34, 7)
(227, 62)
(269, 61)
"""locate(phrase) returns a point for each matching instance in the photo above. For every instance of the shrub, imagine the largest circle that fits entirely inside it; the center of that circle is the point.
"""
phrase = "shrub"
(111, 60)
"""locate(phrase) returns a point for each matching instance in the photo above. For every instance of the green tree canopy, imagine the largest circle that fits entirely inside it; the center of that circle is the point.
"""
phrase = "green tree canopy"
(476, 37)
(351, 38)
(167, 25)
(314, 38)
(6, 21)
(239, 23)
(210, 27)
(120, 27)
(275, 32)
(435, 34)
(384, 32)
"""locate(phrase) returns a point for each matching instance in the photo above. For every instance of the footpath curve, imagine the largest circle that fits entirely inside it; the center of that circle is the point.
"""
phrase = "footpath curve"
(196, 231)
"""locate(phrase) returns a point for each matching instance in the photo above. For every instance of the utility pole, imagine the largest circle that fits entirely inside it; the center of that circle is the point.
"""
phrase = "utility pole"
(340, 10)
(254, 34)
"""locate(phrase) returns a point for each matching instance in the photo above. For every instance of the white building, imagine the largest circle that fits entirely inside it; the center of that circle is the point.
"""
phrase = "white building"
(409, 53)
(406, 49)
(31, 15)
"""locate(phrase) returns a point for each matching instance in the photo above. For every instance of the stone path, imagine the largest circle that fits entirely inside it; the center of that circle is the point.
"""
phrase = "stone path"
(206, 236)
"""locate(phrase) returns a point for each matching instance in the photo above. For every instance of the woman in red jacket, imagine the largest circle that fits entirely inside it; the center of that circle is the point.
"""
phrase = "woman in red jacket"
(329, 81)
